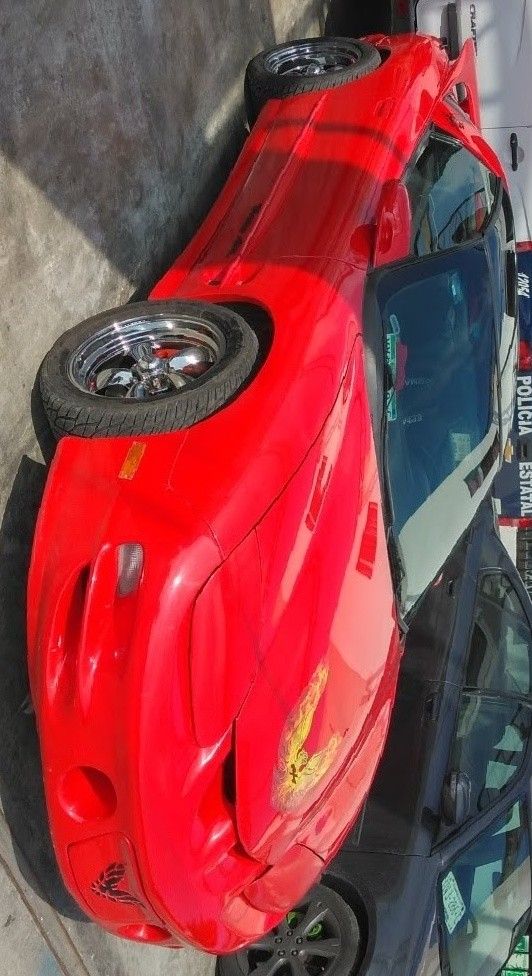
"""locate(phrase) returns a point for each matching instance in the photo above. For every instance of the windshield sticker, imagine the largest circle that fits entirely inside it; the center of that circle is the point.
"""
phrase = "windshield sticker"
(392, 339)
(453, 903)
(460, 446)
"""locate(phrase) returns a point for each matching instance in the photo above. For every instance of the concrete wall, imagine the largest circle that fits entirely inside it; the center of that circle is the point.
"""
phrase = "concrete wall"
(119, 120)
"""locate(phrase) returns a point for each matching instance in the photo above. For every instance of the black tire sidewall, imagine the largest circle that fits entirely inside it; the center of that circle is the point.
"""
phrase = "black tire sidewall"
(346, 964)
(261, 84)
(71, 410)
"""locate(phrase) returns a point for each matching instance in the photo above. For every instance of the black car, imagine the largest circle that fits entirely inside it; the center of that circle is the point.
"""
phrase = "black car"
(435, 878)
(354, 18)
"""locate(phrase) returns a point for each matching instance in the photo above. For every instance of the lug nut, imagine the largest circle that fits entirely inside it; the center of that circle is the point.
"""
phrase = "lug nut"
(299, 941)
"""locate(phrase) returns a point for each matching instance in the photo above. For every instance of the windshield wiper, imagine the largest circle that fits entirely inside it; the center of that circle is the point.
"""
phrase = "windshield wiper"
(396, 564)
(398, 575)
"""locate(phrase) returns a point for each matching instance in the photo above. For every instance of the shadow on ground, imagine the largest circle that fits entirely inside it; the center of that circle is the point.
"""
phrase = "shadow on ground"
(21, 789)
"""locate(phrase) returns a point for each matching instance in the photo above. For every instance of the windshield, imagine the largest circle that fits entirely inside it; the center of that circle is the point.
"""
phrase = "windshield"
(484, 897)
(441, 432)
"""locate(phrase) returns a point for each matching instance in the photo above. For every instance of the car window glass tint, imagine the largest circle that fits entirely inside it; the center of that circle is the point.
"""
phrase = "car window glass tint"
(499, 651)
(451, 195)
(483, 895)
(490, 744)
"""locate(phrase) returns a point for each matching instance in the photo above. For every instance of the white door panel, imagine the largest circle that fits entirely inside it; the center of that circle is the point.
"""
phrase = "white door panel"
(504, 53)
(520, 180)
(502, 32)
(431, 17)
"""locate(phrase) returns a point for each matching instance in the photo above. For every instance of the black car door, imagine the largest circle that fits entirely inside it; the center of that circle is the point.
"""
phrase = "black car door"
(484, 892)
(394, 819)
(483, 839)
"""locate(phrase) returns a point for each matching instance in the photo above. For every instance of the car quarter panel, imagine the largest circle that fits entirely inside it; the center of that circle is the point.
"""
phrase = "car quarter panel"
(329, 154)
(398, 894)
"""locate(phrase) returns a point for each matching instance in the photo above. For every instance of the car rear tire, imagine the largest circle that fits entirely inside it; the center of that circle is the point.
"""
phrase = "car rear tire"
(310, 65)
(322, 920)
(146, 368)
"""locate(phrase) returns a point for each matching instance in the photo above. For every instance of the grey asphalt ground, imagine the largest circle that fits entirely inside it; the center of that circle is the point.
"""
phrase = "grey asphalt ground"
(119, 121)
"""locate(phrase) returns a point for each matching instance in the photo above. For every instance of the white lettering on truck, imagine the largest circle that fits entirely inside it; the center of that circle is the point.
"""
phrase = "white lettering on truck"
(524, 405)
(525, 487)
(523, 285)
(473, 17)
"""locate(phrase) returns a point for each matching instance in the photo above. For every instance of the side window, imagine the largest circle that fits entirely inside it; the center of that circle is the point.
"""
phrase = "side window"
(451, 195)
(499, 652)
(490, 745)
(484, 897)
(495, 708)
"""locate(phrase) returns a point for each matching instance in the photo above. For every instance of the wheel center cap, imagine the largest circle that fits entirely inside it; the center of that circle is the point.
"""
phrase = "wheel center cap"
(149, 368)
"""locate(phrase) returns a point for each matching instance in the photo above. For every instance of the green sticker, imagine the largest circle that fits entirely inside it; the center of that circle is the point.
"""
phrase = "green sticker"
(519, 963)
(453, 903)
(392, 338)
(460, 446)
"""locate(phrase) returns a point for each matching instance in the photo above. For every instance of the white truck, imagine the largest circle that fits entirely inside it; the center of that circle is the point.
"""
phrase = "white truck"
(502, 35)
(501, 31)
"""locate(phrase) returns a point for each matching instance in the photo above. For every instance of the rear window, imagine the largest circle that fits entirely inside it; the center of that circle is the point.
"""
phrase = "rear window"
(524, 276)
(452, 195)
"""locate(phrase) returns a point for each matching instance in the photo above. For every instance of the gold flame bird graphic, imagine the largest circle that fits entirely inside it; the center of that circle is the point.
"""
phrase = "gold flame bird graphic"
(298, 771)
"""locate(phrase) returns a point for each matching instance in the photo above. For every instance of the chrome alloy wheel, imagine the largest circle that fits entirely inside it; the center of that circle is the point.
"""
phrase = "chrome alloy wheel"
(146, 357)
(307, 943)
(318, 57)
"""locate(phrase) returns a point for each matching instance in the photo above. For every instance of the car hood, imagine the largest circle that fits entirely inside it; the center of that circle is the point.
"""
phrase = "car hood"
(311, 730)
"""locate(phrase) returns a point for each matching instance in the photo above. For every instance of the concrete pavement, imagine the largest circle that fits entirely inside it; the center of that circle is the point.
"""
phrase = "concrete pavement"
(119, 120)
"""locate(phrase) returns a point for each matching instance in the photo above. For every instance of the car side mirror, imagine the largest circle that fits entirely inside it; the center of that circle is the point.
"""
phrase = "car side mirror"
(456, 799)
(394, 224)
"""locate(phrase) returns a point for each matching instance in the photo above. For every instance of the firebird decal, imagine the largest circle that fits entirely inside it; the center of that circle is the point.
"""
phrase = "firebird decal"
(298, 772)
(107, 882)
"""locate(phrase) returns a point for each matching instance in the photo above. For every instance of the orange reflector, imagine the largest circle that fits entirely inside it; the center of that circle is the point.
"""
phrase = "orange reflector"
(132, 460)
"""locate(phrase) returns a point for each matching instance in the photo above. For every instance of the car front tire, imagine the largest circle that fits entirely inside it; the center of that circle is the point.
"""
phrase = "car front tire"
(321, 935)
(146, 368)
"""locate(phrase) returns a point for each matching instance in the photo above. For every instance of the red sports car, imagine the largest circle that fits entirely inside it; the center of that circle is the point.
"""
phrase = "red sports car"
(259, 472)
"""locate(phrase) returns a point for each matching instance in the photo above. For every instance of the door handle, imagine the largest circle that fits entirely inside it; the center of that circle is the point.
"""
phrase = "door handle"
(514, 146)
(453, 40)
